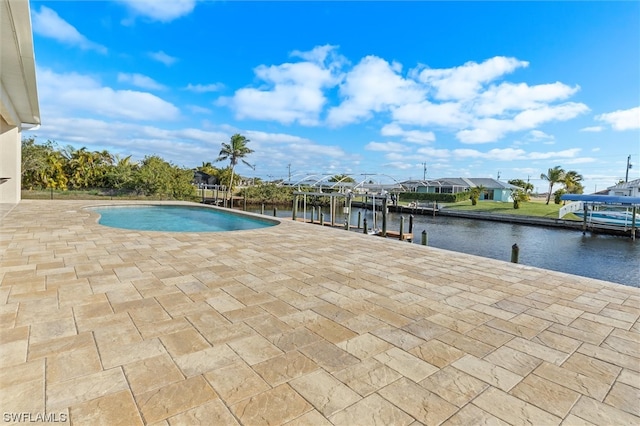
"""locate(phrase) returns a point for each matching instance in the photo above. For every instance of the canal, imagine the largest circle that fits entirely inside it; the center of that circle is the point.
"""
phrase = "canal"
(604, 257)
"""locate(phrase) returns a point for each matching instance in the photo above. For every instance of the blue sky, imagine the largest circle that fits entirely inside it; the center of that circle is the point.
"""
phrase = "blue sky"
(471, 89)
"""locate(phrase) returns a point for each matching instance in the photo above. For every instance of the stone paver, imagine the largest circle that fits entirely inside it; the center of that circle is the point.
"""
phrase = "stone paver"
(298, 324)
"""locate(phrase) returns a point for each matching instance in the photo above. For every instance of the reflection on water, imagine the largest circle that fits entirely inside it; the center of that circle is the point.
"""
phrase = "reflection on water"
(604, 257)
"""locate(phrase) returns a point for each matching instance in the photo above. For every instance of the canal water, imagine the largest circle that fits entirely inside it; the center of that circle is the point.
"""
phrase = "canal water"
(604, 257)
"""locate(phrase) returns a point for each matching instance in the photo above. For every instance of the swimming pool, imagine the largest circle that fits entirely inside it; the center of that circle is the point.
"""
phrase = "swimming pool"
(174, 218)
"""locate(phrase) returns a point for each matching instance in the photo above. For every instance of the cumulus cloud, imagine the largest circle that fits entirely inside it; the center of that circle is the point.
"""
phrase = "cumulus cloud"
(160, 10)
(499, 154)
(490, 129)
(497, 100)
(48, 23)
(373, 85)
(464, 82)
(425, 113)
(293, 92)
(141, 81)
(628, 119)
(413, 136)
(469, 100)
(539, 135)
(163, 57)
(385, 146)
(82, 95)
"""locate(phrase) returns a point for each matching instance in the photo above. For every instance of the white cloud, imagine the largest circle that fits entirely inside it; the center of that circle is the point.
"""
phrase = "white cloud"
(583, 160)
(141, 81)
(399, 165)
(425, 113)
(293, 92)
(385, 146)
(464, 82)
(48, 23)
(627, 119)
(413, 136)
(498, 154)
(74, 93)
(517, 97)
(373, 85)
(490, 129)
(204, 88)
(160, 10)
(592, 129)
(539, 135)
(434, 153)
(163, 57)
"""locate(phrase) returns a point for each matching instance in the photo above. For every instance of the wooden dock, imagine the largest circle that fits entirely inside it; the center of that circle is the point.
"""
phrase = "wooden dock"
(407, 236)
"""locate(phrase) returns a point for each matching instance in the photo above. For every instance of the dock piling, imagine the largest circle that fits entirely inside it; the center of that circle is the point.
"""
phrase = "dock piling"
(425, 240)
(401, 228)
(359, 219)
(275, 211)
(515, 253)
(365, 225)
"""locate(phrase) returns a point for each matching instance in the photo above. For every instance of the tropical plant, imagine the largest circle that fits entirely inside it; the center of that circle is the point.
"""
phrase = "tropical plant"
(573, 182)
(475, 193)
(234, 151)
(519, 196)
(35, 163)
(526, 187)
(120, 174)
(553, 176)
(558, 194)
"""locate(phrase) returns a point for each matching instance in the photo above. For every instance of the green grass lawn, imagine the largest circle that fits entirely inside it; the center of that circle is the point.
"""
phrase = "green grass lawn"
(530, 208)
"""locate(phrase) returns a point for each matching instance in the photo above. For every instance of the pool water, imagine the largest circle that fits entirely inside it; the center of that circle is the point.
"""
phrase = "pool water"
(176, 219)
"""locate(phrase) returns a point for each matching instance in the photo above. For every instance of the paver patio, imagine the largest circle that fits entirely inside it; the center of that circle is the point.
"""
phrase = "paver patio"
(301, 325)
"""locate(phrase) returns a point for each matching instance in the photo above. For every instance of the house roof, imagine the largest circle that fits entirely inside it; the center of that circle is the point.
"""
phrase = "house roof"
(18, 92)
(488, 183)
(626, 185)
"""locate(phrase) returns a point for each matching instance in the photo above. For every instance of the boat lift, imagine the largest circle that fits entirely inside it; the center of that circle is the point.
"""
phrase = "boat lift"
(586, 201)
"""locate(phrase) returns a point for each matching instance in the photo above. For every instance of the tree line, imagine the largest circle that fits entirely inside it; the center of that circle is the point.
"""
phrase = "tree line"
(48, 166)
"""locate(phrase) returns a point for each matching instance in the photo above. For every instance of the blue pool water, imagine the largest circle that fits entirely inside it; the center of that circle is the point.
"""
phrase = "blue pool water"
(176, 219)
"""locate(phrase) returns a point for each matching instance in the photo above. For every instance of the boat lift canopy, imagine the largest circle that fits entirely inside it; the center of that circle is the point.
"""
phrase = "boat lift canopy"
(582, 201)
(603, 199)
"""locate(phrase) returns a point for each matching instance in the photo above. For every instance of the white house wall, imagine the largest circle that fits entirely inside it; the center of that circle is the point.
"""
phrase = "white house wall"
(10, 163)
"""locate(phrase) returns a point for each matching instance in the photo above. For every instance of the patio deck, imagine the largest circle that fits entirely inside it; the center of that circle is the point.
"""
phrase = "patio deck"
(298, 325)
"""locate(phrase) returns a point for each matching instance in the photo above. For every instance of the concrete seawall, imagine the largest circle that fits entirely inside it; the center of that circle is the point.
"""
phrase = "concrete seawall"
(506, 218)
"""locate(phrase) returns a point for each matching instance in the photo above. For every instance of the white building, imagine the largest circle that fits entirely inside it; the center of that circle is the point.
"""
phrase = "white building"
(626, 189)
(19, 108)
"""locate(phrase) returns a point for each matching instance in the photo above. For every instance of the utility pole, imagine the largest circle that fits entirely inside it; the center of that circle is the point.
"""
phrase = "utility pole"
(289, 166)
(424, 174)
(629, 165)
(498, 174)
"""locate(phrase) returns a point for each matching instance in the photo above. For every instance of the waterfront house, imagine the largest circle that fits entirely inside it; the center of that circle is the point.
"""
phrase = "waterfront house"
(626, 189)
(493, 189)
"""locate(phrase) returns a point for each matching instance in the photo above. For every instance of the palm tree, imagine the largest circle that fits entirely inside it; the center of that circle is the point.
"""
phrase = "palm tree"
(233, 151)
(573, 182)
(554, 175)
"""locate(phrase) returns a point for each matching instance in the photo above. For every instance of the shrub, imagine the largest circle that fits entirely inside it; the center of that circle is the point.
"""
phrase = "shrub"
(429, 196)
